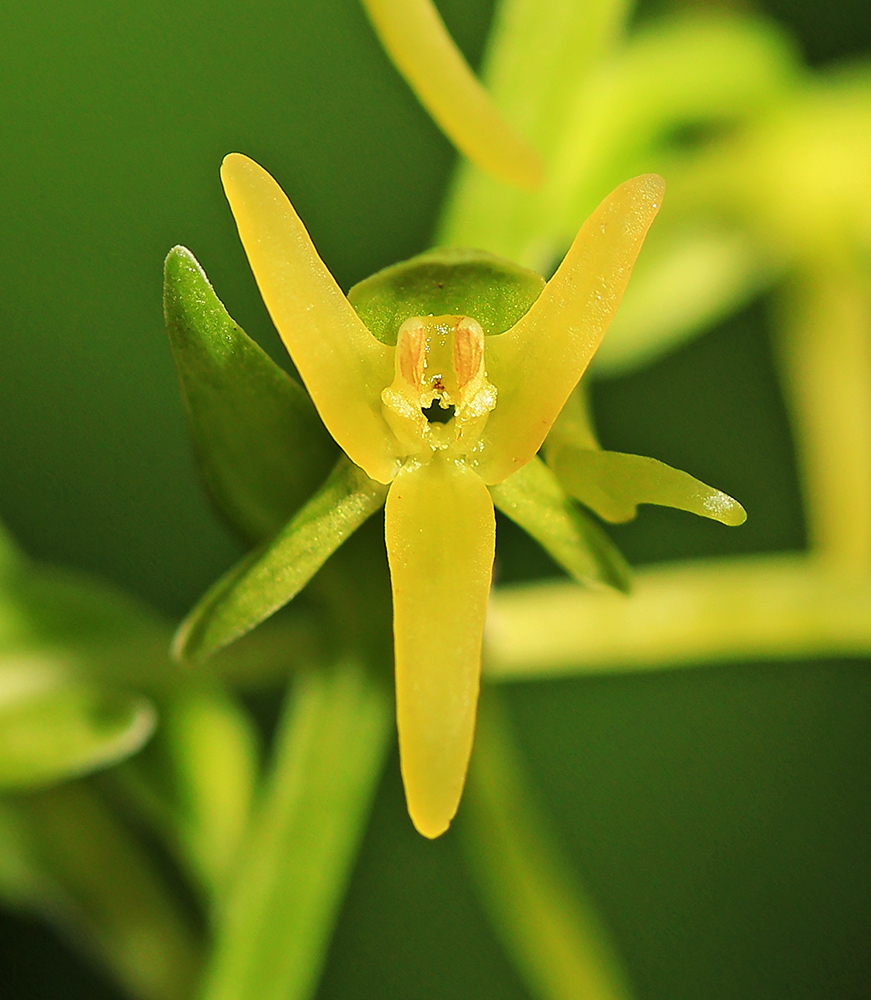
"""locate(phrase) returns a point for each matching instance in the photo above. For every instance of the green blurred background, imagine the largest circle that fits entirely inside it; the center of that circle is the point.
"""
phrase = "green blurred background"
(720, 816)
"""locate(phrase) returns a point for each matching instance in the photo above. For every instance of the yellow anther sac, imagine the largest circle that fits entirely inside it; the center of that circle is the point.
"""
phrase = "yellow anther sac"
(440, 397)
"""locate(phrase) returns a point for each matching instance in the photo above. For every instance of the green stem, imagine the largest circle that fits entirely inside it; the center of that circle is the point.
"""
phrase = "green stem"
(546, 923)
(295, 863)
(681, 615)
(824, 350)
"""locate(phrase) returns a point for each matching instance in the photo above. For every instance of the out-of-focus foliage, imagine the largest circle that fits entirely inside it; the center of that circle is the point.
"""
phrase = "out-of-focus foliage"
(683, 833)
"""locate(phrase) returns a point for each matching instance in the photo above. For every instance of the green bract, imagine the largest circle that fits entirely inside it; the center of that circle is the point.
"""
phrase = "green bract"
(446, 283)
(440, 378)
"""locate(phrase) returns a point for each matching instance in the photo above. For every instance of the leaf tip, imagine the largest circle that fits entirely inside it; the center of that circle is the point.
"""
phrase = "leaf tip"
(179, 267)
(181, 648)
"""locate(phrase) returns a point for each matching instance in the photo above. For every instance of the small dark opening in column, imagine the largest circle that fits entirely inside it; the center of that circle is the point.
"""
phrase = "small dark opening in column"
(435, 413)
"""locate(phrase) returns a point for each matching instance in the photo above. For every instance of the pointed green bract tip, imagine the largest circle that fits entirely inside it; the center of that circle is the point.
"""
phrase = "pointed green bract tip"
(491, 290)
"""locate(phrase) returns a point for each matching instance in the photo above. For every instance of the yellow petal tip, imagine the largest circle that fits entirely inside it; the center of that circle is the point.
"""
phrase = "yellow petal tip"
(232, 162)
(728, 511)
(431, 828)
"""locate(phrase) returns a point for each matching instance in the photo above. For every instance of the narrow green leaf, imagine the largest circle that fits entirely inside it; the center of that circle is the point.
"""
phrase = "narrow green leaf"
(301, 848)
(548, 926)
(261, 447)
(613, 484)
(274, 574)
(51, 730)
(535, 500)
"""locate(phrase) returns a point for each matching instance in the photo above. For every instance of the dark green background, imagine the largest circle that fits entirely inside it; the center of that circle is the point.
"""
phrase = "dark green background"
(719, 817)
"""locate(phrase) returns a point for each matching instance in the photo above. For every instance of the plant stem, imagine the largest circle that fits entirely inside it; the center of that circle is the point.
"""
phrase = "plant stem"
(293, 867)
(678, 616)
(549, 928)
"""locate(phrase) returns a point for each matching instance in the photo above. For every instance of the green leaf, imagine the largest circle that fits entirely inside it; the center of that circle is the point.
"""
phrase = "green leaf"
(52, 730)
(9, 555)
(275, 573)
(495, 292)
(535, 500)
(261, 446)
(197, 780)
(77, 864)
(613, 484)
(548, 927)
(298, 857)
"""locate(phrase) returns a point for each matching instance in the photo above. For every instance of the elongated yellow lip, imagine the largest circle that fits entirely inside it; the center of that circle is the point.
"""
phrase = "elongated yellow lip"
(441, 534)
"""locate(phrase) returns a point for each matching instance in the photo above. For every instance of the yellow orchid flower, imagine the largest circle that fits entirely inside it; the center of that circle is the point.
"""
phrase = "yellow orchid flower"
(496, 398)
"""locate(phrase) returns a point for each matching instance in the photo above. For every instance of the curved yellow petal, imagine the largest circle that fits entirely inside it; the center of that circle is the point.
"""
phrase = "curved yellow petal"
(441, 534)
(343, 366)
(537, 363)
(613, 484)
(416, 39)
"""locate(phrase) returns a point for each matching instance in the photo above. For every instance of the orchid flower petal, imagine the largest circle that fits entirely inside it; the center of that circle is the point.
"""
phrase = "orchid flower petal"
(534, 499)
(613, 484)
(342, 365)
(440, 531)
(416, 39)
(538, 362)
